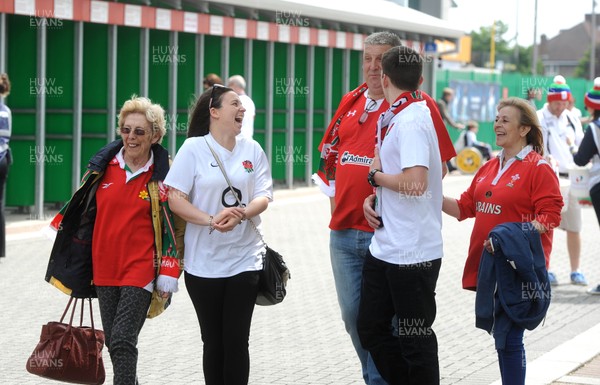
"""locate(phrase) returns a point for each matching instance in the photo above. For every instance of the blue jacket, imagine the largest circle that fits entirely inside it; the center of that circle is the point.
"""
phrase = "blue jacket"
(512, 284)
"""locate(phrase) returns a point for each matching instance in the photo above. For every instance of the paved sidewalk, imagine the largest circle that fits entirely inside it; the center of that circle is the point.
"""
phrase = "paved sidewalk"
(302, 341)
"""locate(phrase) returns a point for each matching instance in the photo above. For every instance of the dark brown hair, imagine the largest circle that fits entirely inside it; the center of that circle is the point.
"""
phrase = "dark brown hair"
(200, 114)
(404, 67)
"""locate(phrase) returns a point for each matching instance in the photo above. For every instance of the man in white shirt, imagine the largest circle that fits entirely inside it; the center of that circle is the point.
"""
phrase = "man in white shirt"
(562, 134)
(402, 266)
(238, 84)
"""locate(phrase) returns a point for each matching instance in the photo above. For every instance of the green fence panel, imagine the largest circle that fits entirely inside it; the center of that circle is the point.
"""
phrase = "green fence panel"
(259, 88)
(212, 55)
(281, 82)
(128, 64)
(21, 68)
(187, 78)
(59, 93)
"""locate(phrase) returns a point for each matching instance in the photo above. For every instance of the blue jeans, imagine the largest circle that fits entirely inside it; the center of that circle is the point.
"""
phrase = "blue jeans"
(348, 250)
(512, 358)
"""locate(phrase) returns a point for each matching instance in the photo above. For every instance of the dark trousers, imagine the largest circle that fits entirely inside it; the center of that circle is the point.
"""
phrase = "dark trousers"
(595, 196)
(123, 311)
(407, 292)
(3, 176)
(485, 152)
(512, 358)
(224, 308)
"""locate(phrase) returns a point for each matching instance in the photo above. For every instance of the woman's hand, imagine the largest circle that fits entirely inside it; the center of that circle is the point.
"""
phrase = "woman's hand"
(227, 219)
(487, 244)
(370, 214)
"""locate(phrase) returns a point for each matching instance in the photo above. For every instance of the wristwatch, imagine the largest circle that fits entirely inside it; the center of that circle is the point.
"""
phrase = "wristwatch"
(371, 177)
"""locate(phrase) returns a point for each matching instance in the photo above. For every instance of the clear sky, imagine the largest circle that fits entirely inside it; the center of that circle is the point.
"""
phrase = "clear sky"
(553, 15)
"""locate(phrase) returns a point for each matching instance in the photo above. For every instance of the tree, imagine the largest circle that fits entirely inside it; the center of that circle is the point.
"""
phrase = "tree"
(583, 67)
(515, 58)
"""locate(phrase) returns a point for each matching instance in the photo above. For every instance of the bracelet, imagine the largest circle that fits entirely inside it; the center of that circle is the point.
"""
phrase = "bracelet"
(210, 224)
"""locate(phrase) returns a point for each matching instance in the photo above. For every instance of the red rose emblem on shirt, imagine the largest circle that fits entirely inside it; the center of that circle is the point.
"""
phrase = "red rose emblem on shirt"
(248, 166)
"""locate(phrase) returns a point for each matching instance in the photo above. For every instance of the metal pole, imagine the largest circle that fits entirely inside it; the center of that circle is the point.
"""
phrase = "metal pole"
(77, 105)
(248, 66)
(174, 39)
(225, 59)
(346, 72)
(535, 46)
(328, 85)
(112, 83)
(144, 60)
(289, 134)
(199, 64)
(40, 120)
(2, 46)
(593, 47)
(310, 110)
(269, 102)
(2, 42)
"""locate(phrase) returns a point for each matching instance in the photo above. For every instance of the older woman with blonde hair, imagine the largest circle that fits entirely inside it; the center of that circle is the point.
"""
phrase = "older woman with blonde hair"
(516, 186)
(119, 235)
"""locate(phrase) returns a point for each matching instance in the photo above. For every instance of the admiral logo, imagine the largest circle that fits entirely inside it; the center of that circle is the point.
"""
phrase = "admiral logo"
(348, 158)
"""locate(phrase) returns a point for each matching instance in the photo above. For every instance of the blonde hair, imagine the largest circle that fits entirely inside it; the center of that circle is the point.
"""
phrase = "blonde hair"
(154, 114)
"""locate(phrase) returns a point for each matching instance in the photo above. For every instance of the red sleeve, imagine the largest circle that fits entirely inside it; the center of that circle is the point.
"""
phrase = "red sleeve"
(447, 151)
(545, 195)
(466, 202)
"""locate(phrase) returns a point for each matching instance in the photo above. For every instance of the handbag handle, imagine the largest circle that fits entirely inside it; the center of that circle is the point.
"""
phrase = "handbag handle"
(73, 312)
(67, 308)
(222, 168)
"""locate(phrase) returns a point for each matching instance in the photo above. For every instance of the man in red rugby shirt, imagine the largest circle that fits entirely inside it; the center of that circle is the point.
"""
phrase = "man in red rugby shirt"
(346, 153)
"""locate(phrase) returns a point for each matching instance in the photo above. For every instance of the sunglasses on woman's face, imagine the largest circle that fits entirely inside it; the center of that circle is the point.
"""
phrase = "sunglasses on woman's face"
(212, 93)
(136, 131)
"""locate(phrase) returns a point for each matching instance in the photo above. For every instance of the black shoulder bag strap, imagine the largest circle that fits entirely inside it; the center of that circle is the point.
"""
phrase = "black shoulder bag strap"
(237, 198)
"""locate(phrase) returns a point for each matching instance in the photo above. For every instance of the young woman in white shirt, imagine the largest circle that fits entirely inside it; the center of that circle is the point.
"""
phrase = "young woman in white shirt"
(223, 253)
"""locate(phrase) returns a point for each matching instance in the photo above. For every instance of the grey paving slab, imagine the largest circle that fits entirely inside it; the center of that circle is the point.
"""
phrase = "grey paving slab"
(301, 341)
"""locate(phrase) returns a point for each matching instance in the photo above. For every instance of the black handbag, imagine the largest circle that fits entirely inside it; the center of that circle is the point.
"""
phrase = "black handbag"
(275, 273)
(273, 278)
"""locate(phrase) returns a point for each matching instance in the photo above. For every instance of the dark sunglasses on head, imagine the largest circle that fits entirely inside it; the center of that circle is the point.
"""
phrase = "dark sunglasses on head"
(136, 131)
(212, 93)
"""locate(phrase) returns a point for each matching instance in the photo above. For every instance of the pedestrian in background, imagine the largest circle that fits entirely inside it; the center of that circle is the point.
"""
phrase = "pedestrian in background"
(238, 84)
(221, 267)
(346, 152)
(210, 80)
(443, 104)
(403, 262)
(5, 156)
(119, 225)
(562, 135)
(471, 140)
(516, 186)
(589, 150)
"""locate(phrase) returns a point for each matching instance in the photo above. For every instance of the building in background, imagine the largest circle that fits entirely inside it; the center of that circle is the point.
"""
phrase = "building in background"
(562, 53)
(73, 64)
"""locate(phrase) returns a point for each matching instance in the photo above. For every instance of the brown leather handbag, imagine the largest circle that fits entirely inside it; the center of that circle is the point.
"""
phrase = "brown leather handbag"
(69, 353)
